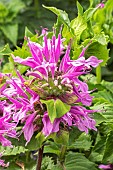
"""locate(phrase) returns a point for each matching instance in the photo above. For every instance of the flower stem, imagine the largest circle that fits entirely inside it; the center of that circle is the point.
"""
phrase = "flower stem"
(40, 155)
(98, 74)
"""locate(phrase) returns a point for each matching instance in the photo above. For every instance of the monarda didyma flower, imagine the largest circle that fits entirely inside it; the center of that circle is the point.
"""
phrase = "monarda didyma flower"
(52, 76)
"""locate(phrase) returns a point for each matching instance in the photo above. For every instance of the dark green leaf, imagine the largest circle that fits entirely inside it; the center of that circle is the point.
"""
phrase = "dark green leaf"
(40, 138)
(104, 95)
(108, 148)
(83, 142)
(36, 142)
(98, 50)
(51, 147)
(77, 161)
(11, 32)
(62, 137)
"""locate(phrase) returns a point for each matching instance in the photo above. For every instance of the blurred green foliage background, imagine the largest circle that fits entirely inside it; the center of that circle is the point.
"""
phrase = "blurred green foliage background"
(15, 15)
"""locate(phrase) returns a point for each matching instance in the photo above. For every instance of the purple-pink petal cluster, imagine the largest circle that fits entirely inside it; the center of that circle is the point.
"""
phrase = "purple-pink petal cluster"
(51, 75)
(107, 167)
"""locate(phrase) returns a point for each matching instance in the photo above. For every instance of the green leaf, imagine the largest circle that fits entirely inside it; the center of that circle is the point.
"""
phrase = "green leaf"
(22, 52)
(98, 148)
(40, 138)
(104, 96)
(99, 118)
(9, 67)
(74, 135)
(3, 12)
(28, 33)
(56, 108)
(78, 25)
(11, 32)
(108, 148)
(80, 9)
(13, 166)
(88, 14)
(77, 161)
(83, 142)
(12, 151)
(101, 38)
(6, 50)
(47, 163)
(98, 50)
(96, 157)
(108, 85)
(106, 111)
(62, 137)
(52, 147)
(57, 167)
(14, 9)
(62, 15)
(36, 142)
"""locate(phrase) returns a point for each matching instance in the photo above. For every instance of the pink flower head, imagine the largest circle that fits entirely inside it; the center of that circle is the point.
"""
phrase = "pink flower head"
(56, 78)
(101, 5)
(77, 116)
(107, 167)
(16, 109)
(52, 75)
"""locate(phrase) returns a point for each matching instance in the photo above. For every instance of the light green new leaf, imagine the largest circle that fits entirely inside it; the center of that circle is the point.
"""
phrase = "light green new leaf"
(80, 9)
(11, 32)
(101, 38)
(28, 33)
(56, 108)
(88, 14)
(78, 25)
(62, 15)
(9, 67)
(6, 50)
(22, 52)
(12, 151)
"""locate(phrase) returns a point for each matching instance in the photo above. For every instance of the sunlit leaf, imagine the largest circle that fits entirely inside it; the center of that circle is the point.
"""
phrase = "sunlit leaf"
(56, 108)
